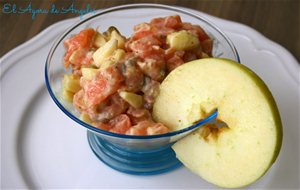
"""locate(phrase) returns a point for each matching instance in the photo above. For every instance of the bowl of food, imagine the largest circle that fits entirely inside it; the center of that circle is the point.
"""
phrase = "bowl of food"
(105, 73)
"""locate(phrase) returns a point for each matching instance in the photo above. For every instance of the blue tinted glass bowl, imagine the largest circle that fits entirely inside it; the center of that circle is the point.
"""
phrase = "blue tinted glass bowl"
(142, 155)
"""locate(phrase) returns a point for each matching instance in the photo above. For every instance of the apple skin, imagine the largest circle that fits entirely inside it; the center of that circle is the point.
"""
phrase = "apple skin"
(177, 106)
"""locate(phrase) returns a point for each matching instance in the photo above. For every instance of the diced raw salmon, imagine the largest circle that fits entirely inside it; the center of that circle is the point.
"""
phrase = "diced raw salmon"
(120, 124)
(106, 83)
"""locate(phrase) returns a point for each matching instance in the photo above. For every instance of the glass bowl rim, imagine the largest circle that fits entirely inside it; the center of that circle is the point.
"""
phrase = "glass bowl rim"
(117, 8)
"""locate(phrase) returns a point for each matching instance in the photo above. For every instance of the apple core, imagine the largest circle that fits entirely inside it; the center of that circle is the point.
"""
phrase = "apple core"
(211, 131)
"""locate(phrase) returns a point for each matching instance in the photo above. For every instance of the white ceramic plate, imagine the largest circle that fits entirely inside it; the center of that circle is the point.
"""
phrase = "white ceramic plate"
(42, 148)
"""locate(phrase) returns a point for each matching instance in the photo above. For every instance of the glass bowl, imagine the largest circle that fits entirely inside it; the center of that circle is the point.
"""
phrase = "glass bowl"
(142, 155)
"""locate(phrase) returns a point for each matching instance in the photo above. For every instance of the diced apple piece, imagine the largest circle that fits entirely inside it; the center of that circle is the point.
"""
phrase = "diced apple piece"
(241, 151)
(88, 73)
(71, 83)
(104, 52)
(85, 117)
(107, 33)
(118, 55)
(67, 95)
(106, 64)
(133, 99)
(117, 36)
(114, 58)
(99, 40)
(182, 40)
(113, 33)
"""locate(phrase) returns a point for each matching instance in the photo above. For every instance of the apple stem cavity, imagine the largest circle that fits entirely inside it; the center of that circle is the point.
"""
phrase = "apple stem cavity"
(211, 125)
(212, 118)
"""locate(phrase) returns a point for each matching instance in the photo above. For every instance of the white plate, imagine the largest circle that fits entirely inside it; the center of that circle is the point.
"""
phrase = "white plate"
(43, 148)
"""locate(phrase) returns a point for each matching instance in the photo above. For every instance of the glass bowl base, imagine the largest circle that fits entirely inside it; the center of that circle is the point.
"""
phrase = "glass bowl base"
(132, 161)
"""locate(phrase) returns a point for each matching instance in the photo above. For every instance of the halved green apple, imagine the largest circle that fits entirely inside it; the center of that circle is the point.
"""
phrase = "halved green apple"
(232, 156)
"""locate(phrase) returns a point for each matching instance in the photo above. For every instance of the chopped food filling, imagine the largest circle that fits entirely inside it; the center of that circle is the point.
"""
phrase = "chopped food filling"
(115, 80)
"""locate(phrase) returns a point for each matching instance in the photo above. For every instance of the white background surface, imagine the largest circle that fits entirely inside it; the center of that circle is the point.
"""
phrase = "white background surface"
(43, 148)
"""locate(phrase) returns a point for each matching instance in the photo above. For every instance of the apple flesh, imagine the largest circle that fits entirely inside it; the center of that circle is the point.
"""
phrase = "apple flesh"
(239, 153)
